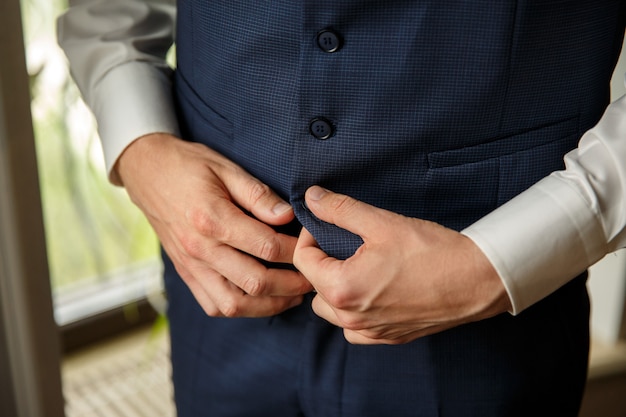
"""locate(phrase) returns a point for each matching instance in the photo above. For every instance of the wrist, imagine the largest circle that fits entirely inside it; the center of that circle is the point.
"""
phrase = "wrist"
(492, 291)
(138, 150)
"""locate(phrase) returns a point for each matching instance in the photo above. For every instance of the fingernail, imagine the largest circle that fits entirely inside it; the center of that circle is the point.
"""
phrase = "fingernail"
(316, 193)
(281, 208)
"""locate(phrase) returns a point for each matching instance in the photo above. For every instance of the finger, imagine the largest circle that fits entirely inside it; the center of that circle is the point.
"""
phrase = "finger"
(367, 335)
(323, 310)
(257, 198)
(227, 224)
(307, 250)
(343, 211)
(360, 337)
(319, 269)
(232, 302)
(354, 336)
(220, 298)
(254, 278)
(199, 293)
(227, 301)
(357, 338)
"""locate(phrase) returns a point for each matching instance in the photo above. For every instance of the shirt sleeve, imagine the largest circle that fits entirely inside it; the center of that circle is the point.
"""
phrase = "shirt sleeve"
(117, 53)
(565, 223)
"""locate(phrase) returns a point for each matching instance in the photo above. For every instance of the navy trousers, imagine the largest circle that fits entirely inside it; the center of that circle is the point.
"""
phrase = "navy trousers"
(296, 364)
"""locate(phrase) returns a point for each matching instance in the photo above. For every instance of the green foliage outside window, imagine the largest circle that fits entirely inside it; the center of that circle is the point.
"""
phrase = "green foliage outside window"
(92, 228)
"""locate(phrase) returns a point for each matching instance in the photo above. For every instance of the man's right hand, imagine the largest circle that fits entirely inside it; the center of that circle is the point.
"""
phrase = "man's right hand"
(195, 198)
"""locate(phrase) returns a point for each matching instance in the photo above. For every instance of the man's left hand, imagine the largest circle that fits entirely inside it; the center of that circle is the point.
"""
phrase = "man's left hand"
(410, 278)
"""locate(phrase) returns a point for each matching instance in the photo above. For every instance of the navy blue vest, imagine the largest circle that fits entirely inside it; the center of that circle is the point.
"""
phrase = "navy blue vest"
(436, 109)
(441, 110)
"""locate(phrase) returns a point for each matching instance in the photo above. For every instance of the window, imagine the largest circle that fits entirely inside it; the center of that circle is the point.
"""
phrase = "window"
(102, 253)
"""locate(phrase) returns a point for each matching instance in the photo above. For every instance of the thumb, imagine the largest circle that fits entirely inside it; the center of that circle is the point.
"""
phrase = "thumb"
(342, 210)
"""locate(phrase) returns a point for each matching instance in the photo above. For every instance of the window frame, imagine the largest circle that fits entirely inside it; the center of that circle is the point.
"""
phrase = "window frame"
(29, 349)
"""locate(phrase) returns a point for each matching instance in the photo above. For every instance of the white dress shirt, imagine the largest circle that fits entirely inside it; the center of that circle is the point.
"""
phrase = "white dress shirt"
(537, 242)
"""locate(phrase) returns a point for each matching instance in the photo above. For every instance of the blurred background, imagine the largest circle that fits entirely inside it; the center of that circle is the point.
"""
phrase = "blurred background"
(100, 240)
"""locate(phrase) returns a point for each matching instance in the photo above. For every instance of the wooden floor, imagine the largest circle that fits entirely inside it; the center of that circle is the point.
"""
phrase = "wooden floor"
(129, 376)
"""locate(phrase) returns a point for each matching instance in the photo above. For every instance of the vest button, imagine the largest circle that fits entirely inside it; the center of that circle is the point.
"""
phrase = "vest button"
(328, 41)
(321, 128)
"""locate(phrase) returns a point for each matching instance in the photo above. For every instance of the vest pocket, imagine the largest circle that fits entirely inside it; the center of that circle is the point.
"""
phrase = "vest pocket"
(199, 121)
(509, 145)
(469, 182)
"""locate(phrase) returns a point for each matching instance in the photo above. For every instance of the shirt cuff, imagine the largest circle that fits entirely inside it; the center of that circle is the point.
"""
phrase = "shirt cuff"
(540, 240)
(131, 101)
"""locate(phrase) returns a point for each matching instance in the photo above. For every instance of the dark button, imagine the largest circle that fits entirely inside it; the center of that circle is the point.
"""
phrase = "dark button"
(321, 128)
(328, 41)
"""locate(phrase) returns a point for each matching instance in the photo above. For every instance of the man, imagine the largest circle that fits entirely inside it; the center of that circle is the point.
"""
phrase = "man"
(427, 118)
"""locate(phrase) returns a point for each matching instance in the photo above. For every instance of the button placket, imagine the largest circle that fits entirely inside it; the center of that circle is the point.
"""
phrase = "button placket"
(329, 41)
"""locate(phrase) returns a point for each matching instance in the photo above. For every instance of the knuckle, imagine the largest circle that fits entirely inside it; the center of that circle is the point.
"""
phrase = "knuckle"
(343, 203)
(211, 225)
(257, 191)
(203, 222)
(350, 321)
(192, 245)
(339, 298)
(254, 286)
(229, 308)
(211, 311)
(372, 334)
(304, 286)
(268, 248)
